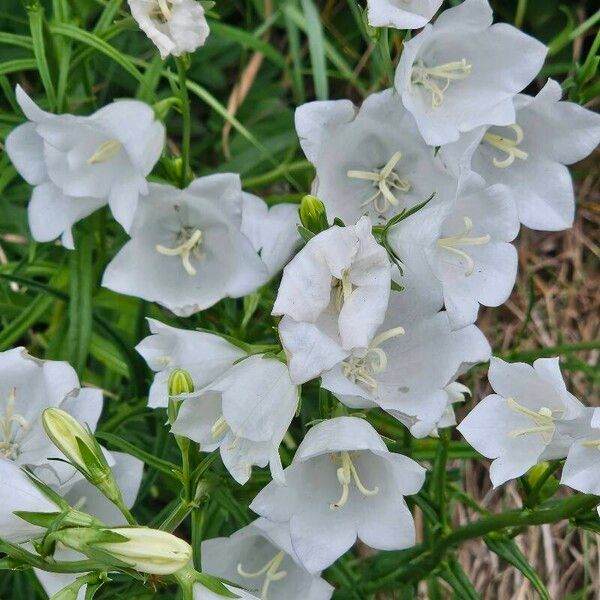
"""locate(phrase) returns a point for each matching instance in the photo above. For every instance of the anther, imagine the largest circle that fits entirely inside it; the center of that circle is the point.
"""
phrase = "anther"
(452, 244)
(105, 152)
(430, 77)
(219, 428)
(543, 420)
(346, 475)
(270, 571)
(185, 250)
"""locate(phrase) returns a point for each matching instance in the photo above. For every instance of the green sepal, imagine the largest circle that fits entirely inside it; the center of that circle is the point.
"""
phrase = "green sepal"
(38, 519)
(305, 234)
(214, 585)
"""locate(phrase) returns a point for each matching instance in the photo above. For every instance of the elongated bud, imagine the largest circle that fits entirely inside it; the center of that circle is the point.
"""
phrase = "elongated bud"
(313, 215)
(180, 384)
(82, 450)
(146, 550)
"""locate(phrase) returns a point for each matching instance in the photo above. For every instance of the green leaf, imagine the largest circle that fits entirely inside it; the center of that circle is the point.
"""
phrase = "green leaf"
(507, 549)
(36, 24)
(17, 65)
(214, 585)
(316, 46)
(457, 579)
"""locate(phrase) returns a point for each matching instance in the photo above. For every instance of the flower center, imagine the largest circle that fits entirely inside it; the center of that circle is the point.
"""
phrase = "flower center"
(436, 80)
(190, 240)
(346, 475)
(363, 370)
(543, 421)
(387, 182)
(453, 242)
(342, 289)
(507, 145)
(105, 152)
(270, 571)
(12, 426)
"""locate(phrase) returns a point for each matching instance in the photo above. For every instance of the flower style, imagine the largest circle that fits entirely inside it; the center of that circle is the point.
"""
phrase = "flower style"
(78, 164)
(342, 484)
(333, 297)
(19, 493)
(272, 231)
(463, 72)
(530, 154)
(174, 26)
(464, 247)
(369, 161)
(205, 356)
(246, 413)
(260, 556)
(409, 366)
(402, 14)
(27, 387)
(187, 250)
(521, 424)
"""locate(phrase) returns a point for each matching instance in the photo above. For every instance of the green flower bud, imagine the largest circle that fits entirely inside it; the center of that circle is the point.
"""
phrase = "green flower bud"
(313, 215)
(180, 382)
(146, 550)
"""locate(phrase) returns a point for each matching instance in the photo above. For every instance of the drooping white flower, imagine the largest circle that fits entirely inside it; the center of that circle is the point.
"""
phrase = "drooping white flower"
(408, 366)
(260, 557)
(530, 154)
(402, 14)
(174, 26)
(464, 247)
(369, 161)
(84, 496)
(246, 413)
(187, 250)
(272, 231)
(342, 484)
(27, 387)
(463, 72)
(18, 493)
(333, 297)
(205, 356)
(518, 425)
(78, 164)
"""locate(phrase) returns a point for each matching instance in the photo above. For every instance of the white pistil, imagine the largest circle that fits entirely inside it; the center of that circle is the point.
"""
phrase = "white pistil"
(507, 145)
(189, 247)
(9, 447)
(347, 474)
(270, 571)
(343, 288)
(105, 152)
(543, 420)
(364, 369)
(219, 428)
(165, 10)
(453, 242)
(430, 78)
(386, 181)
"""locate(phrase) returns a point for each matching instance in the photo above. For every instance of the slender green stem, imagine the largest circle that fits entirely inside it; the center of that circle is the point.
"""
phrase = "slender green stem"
(177, 516)
(438, 484)
(277, 174)
(187, 121)
(126, 513)
(533, 498)
(520, 14)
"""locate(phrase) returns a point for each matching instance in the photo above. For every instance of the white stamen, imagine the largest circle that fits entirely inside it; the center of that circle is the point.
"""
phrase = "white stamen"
(270, 571)
(343, 288)
(462, 239)
(387, 181)
(219, 428)
(105, 152)
(429, 78)
(591, 444)
(363, 370)
(543, 420)
(347, 474)
(188, 247)
(507, 145)
(9, 444)
(165, 10)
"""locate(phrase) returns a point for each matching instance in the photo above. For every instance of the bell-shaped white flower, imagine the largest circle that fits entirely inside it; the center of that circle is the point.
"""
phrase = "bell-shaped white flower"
(333, 297)
(530, 154)
(343, 484)
(174, 26)
(246, 413)
(260, 557)
(27, 387)
(272, 231)
(408, 366)
(19, 493)
(402, 14)
(463, 72)
(205, 356)
(464, 247)
(187, 250)
(518, 425)
(369, 161)
(78, 164)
